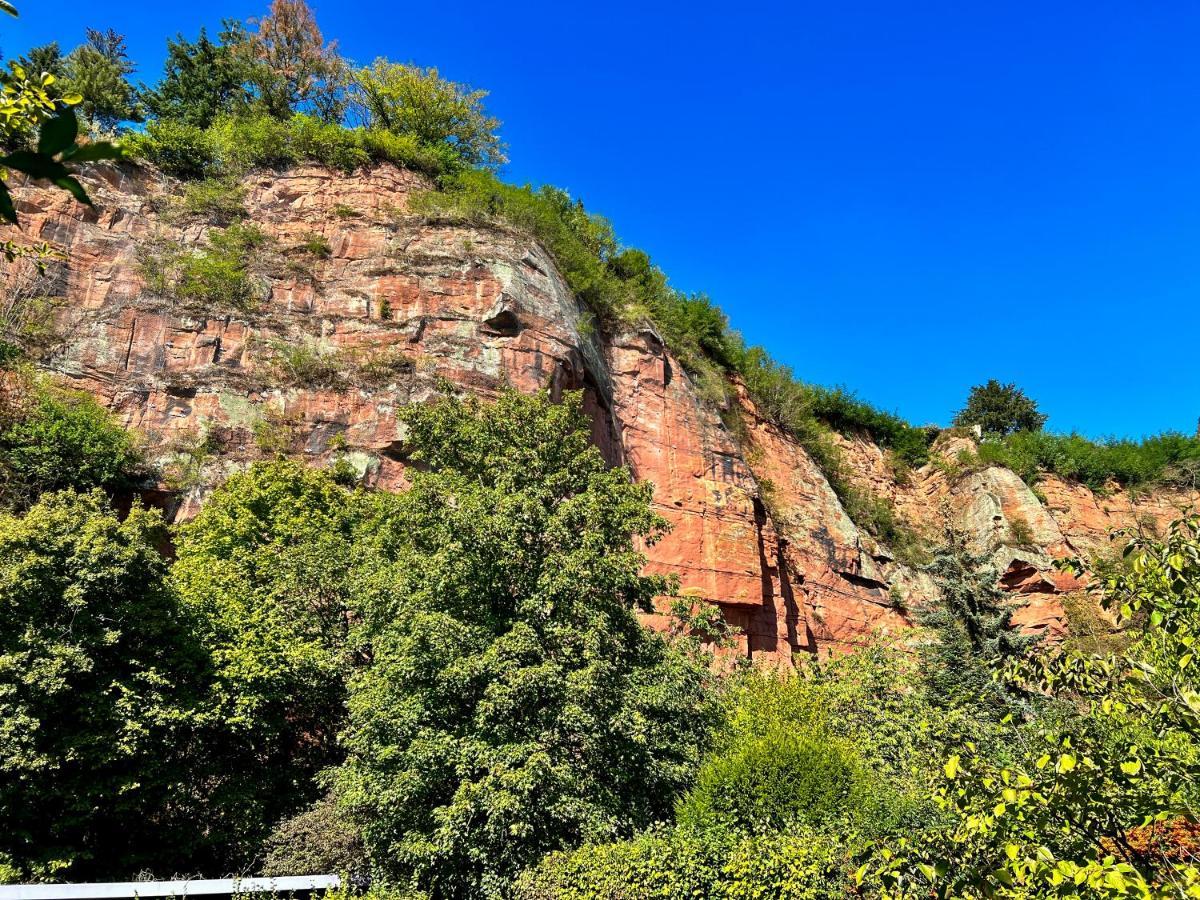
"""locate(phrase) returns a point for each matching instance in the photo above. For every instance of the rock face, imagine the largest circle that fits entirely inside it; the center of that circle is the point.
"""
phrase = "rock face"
(360, 307)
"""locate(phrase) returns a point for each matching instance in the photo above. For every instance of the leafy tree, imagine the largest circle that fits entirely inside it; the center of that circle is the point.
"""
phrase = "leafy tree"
(1062, 819)
(97, 70)
(98, 683)
(411, 100)
(265, 569)
(512, 703)
(61, 439)
(294, 69)
(202, 79)
(1000, 409)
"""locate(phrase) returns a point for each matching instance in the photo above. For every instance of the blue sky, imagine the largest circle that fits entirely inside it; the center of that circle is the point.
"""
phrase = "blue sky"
(902, 198)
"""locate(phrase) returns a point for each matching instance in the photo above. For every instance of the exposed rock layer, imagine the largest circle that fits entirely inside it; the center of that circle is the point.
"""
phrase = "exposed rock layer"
(365, 307)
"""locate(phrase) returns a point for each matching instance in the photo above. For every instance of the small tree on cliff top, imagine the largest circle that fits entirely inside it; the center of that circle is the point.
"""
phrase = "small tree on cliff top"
(1000, 409)
(512, 705)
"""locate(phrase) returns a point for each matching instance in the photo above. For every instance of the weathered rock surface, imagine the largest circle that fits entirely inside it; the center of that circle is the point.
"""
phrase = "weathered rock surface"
(389, 304)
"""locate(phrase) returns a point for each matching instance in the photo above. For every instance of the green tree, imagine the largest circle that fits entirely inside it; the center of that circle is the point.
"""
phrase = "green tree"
(513, 704)
(973, 632)
(1000, 409)
(202, 79)
(60, 439)
(47, 59)
(1060, 818)
(98, 71)
(409, 100)
(265, 569)
(98, 684)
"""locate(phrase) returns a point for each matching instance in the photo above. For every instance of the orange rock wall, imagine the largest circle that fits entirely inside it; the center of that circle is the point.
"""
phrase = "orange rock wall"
(756, 527)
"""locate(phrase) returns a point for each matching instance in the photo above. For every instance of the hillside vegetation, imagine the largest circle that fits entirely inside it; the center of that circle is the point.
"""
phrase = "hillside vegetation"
(447, 692)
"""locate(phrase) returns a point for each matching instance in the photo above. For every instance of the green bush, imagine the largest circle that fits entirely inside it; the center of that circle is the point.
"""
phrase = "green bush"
(184, 151)
(63, 439)
(217, 199)
(774, 781)
(1169, 458)
(715, 864)
(212, 278)
(231, 146)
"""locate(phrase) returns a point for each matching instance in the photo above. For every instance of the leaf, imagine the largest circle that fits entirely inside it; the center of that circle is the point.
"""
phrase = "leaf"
(6, 204)
(71, 185)
(94, 152)
(1184, 660)
(58, 133)
(1132, 767)
(1065, 764)
(952, 766)
(35, 165)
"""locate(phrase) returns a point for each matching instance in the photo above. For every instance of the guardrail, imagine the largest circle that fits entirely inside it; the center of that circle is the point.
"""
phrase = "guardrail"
(196, 887)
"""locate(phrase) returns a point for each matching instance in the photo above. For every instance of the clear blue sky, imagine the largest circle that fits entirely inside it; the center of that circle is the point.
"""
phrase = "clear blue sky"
(902, 198)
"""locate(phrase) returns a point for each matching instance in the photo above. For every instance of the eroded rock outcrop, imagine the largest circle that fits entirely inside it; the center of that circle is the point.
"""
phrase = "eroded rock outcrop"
(363, 307)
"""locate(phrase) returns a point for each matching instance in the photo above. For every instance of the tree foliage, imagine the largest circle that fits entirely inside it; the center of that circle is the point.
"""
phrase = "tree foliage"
(513, 705)
(98, 670)
(202, 79)
(294, 70)
(98, 71)
(1000, 409)
(409, 100)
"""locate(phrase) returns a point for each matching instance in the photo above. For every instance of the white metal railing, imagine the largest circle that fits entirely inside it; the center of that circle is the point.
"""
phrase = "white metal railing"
(196, 887)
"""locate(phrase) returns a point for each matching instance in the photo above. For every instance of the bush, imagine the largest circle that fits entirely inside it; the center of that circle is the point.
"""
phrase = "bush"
(233, 146)
(59, 439)
(213, 278)
(778, 780)
(184, 151)
(319, 839)
(217, 199)
(714, 864)
(1161, 459)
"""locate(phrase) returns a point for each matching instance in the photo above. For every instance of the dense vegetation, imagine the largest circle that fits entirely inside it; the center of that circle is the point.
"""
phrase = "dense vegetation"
(448, 689)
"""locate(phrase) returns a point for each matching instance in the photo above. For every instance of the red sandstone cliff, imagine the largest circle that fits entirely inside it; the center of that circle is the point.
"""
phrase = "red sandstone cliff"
(398, 303)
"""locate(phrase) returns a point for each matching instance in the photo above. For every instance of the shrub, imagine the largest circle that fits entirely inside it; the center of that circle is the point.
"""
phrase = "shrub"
(213, 278)
(776, 781)
(61, 439)
(319, 839)
(185, 151)
(715, 864)
(233, 145)
(217, 199)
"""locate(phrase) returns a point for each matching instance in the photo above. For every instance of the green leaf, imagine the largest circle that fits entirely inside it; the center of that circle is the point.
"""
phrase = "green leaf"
(58, 133)
(6, 205)
(35, 165)
(71, 185)
(94, 152)
(952, 766)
